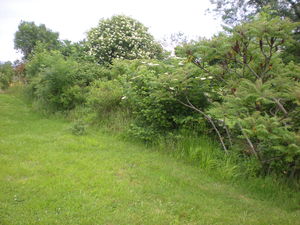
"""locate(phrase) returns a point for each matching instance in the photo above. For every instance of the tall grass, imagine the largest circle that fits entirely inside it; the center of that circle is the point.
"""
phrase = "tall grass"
(201, 151)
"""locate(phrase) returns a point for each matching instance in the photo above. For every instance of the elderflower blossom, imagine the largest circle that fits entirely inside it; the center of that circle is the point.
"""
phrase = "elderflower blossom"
(153, 64)
(121, 37)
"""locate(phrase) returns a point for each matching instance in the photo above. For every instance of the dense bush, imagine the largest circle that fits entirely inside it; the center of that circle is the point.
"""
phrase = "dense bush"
(148, 86)
(258, 92)
(53, 84)
(6, 74)
(121, 37)
(75, 50)
(60, 83)
(104, 97)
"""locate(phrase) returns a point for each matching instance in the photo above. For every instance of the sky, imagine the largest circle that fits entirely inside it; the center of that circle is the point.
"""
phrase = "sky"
(73, 18)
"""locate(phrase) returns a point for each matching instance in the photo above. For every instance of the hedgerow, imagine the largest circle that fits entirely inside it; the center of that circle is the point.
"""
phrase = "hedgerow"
(235, 87)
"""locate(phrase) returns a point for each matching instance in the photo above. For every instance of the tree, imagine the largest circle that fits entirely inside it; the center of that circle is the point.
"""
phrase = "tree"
(121, 37)
(234, 11)
(255, 95)
(76, 50)
(30, 35)
(173, 40)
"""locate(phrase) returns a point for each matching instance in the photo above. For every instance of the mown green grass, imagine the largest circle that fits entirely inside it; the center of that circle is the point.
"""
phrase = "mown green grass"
(49, 176)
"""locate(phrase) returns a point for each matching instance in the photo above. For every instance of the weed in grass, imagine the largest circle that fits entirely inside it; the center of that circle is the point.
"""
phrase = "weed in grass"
(79, 128)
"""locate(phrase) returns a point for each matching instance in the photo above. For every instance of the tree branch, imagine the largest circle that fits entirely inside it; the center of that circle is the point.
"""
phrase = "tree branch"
(190, 105)
(281, 107)
(205, 70)
(249, 141)
(249, 67)
(228, 133)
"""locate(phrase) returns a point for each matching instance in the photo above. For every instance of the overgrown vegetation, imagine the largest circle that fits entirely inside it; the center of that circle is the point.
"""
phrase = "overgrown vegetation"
(239, 88)
(6, 75)
(254, 95)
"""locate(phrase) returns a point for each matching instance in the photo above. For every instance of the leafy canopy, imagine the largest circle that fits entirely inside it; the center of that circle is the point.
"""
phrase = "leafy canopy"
(233, 11)
(29, 35)
(121, 37)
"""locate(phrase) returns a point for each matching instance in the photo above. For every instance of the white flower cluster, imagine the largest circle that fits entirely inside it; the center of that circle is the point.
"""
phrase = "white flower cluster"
(121, 37)
(204, 78)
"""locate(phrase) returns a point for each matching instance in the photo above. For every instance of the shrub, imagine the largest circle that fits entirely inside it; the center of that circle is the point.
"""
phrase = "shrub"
(121, 37)
(59, 83)
(6, 75)
(149, 90)
(257, 94)
(104, 97)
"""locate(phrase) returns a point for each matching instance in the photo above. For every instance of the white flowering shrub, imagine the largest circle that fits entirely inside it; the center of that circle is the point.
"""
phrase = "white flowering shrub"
(151, 90)
(121, 37)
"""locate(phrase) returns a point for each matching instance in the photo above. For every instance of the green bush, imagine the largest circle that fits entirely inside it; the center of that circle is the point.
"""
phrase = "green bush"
(60, 83)
(51, 79)
(6, 74)
(104, 97)
(256, 93)
(150, 87)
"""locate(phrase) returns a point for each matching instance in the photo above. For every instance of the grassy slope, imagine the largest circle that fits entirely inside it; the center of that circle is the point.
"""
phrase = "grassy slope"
(48, 176)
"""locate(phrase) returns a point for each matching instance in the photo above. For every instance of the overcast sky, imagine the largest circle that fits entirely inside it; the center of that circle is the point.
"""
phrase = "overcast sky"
(73, 18)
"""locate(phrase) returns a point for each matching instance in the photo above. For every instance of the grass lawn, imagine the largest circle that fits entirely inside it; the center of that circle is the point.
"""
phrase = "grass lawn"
(49, 176)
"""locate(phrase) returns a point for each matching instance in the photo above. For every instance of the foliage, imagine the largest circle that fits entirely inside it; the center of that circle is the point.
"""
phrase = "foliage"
(54, 86)
(104, 97)
(76, 50)
(235, 86)
(257, 91)
(148, 91)
(29, 35)
(6, 74)
(234, 11)
(19, 67)
(121, 37)
(60, 83)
